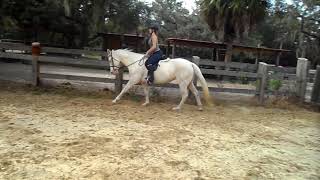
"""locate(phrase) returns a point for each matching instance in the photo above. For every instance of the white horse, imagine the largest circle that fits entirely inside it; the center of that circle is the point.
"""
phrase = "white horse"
(168, 70)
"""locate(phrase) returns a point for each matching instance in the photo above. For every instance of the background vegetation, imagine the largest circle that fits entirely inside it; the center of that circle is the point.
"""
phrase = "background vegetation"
(75, 23)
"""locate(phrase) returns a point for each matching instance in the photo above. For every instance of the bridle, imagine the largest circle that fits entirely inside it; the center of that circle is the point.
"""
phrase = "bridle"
(112, 60)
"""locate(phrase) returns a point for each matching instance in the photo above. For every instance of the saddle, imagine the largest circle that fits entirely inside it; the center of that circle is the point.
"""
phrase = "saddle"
(163, 59)
(152, 68)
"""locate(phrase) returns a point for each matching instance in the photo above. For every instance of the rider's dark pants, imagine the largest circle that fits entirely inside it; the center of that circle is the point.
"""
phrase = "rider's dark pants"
(152, 64)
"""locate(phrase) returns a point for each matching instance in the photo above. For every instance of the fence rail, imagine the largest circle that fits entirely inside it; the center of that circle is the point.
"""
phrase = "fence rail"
(72, 51)
(83, 63)
(14, 46)
(73, 77)
(290, 77)
(287, 70)
(24, 47)
(241, 66)
(229, 73)
(66, 61)
(22, 57)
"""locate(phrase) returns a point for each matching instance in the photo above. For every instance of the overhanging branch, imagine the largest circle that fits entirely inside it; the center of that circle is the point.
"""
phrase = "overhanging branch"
(310, 34)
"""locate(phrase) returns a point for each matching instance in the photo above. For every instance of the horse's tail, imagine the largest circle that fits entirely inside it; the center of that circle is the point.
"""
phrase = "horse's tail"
(204, 85)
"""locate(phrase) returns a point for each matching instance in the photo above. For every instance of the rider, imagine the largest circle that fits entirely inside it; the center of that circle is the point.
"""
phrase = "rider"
(154, 54)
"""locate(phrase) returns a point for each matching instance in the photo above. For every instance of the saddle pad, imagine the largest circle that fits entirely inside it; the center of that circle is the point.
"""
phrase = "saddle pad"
(164, 60)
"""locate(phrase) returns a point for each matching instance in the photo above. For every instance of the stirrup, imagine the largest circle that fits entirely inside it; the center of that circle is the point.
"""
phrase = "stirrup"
(148, 81)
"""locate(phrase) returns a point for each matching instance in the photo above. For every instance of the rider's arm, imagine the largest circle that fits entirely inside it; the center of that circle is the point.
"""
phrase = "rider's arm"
(154, 45)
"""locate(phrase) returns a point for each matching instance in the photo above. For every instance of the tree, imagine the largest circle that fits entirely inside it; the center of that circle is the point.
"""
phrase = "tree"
(171, 16)
(307, 12)
(233, 19)
(293, 26)
(176, 21)
(300, 26)
(126, 16)
(71, 23)
(38, 19)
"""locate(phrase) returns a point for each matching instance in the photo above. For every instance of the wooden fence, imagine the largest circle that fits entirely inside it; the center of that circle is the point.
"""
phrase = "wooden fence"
(261, 73)
(45, 58)
(315, 96)
(234, 69)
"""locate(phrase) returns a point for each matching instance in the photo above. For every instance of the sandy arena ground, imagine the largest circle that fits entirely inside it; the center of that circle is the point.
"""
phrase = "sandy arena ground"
(68, 134)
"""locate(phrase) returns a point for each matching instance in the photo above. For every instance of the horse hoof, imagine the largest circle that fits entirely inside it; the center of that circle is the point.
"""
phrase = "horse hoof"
(200, 108)
(114, 101)
(176, 109)
(145, 104)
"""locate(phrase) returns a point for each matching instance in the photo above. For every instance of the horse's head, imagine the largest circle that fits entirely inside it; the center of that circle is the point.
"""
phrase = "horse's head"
(114, 61)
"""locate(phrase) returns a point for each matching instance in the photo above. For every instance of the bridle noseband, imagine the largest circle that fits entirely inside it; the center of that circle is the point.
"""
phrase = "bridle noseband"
(112, 59)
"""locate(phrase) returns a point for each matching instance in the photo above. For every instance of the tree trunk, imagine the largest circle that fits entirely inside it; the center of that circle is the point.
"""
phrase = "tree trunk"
(98, 16)
(301, 53)
(258, 55)
(279, 54)
(228, 55)
(301, 50)
(51, 37)
(66, 6)
(84, 35)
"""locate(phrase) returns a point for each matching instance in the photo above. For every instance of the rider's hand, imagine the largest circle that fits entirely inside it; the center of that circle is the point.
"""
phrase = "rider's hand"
(146, 56)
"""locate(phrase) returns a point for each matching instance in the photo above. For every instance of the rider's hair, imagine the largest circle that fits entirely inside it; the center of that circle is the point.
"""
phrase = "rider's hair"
(154, 28)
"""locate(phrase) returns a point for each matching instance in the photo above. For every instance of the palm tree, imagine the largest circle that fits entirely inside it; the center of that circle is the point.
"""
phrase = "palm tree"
(233, 19)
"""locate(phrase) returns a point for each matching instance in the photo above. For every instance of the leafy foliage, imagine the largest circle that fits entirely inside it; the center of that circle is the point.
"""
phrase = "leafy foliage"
(275, 84)
(295, 27)
(176, 21)
(233, 19)
(75, 23)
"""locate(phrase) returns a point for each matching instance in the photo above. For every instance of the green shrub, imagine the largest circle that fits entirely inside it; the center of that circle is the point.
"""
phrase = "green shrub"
(275, 84)
(257, 83)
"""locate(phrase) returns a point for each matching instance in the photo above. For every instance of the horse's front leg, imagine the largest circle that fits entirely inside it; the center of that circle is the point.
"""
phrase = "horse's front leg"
(130, 83)
(146, 93)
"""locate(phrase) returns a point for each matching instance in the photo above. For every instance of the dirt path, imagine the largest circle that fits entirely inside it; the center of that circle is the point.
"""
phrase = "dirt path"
(50, 134)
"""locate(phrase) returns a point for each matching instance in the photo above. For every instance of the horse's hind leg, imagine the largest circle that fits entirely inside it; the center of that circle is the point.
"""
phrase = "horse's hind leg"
(195, 92)
(184, 94)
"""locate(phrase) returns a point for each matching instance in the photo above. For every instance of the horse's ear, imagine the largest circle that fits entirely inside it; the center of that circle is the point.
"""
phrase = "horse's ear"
(108, 51)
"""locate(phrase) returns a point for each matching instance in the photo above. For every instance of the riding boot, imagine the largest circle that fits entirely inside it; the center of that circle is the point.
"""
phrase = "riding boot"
(150, 77)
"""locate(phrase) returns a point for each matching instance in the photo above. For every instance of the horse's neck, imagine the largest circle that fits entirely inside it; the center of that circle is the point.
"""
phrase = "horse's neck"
(131, 61)
(127, 58)
(125, 61)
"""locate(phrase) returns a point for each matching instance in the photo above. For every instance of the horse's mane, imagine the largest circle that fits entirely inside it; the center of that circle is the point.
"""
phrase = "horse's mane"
(129, 52)
(128, 49)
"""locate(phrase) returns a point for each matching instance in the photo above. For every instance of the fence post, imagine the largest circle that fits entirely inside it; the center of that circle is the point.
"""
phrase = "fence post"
(263, 76)
(302, 75)
(167, 49)
(118, 82)
(315, 97)
(174, 50)
(35, 63)
(104, 57)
